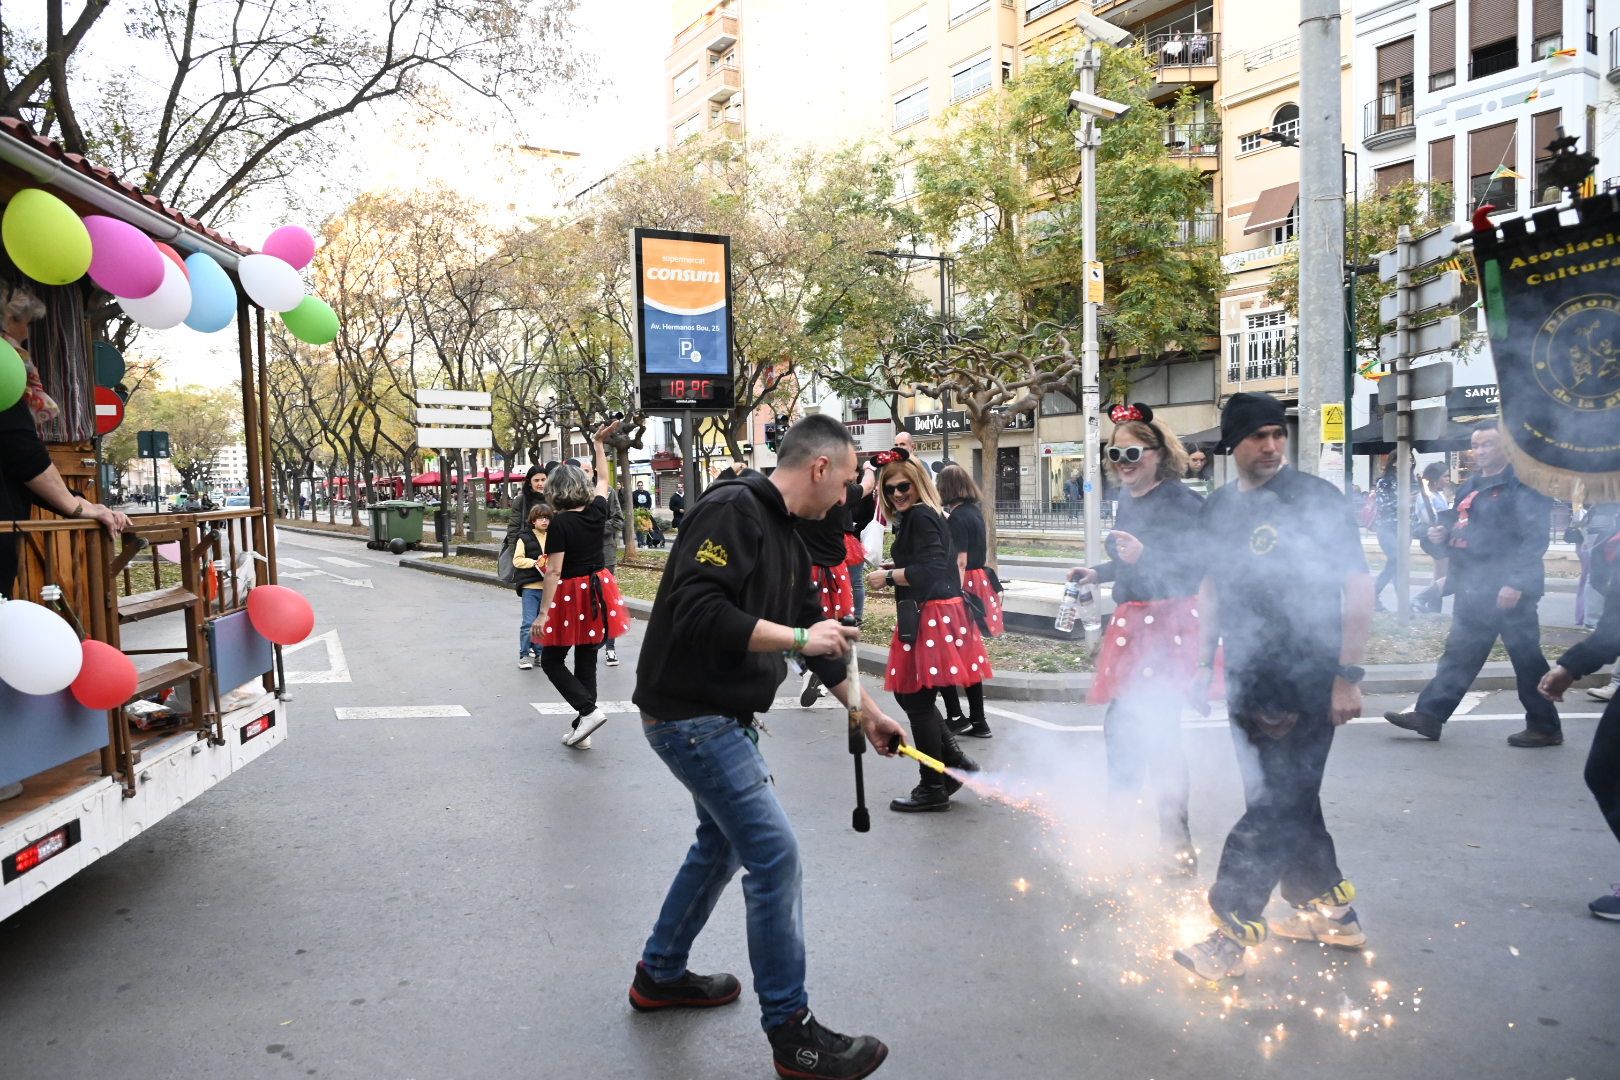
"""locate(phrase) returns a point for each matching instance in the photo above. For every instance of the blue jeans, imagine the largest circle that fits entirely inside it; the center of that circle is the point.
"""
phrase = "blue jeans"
(531, 612)
(740, 825)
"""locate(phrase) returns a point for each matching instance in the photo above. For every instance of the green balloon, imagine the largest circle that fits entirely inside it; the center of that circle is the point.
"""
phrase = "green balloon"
(313, 321)
(45, 238)
(13, 376)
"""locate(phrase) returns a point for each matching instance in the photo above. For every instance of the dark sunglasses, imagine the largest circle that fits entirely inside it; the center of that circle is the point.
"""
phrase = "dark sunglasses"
(902, 488)
(1132, 454)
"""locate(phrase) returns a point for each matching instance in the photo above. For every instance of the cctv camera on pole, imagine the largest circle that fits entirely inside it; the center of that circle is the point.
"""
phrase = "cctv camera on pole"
(1101, 30)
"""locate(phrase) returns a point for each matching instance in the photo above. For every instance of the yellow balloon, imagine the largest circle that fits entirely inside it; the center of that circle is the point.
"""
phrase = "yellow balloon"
(45, 238)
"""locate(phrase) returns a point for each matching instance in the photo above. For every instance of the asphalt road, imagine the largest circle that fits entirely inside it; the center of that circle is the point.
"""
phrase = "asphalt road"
(459, 896)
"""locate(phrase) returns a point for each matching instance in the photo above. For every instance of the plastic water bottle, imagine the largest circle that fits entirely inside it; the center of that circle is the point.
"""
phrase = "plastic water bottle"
(1069, 609)
(1090, 612)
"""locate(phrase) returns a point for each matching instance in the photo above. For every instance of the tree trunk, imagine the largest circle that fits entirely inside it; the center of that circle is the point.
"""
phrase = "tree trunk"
(622, 464)
(988, 432)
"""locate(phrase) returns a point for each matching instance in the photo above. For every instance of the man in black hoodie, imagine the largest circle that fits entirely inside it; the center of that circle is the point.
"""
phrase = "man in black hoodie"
(1495, 547)
(735, 598)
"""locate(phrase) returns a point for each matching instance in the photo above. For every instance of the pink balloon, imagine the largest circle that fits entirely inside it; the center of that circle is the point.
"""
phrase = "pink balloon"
(280, 614)
(292, 245)
(107, 679)
(174, 257)
(123, 260)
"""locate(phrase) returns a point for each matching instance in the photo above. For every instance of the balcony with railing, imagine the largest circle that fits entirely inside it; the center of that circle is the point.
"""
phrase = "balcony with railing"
(1184, 59)
(721, 34)
(723, 81)
(1200, 230)
(1264, 355)
(724, 18)
(1043, 7)
(1194, 141)
(1390, 119)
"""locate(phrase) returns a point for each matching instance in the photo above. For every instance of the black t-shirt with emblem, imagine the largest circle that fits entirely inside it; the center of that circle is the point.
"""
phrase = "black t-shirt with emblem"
(1279, 558)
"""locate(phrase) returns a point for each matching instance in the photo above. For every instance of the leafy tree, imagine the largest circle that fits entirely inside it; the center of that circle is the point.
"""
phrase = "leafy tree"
(200, 421)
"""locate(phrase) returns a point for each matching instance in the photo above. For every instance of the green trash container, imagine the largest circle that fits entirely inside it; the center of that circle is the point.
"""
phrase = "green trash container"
(396, 519)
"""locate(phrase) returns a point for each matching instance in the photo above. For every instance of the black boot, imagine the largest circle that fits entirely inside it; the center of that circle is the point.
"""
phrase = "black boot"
(924, 797)
(952, 755)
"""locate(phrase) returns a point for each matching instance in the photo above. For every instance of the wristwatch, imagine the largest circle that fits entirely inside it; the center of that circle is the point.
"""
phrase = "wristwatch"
(888, 578)
(1350, 673)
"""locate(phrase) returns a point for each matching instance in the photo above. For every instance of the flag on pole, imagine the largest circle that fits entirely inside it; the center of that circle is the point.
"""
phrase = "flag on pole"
(1562, 53)
(1534, 95)
(1504, 173)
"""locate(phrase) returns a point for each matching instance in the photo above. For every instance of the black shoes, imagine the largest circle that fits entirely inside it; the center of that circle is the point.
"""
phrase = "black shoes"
(951, 754)
(958, 725)
(1422, 723)
(923, 798)
(804, 1050)
(688, 992)
(1534, 740)
(976, 729)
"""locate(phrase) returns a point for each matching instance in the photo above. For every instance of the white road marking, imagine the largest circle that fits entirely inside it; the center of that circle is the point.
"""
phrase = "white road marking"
(562, 708)
(336, 561)
(1470, 701)
(400, 712)
(299, 576)
(337, 668)
(1201, 724)
(358, 583)
(294, 563)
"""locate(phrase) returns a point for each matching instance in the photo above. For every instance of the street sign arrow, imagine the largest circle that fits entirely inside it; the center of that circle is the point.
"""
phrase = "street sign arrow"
(1436, 292)
(1434, 246)
(1438, 336)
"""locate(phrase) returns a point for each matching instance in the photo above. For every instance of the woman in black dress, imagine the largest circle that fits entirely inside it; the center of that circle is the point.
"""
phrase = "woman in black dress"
(970, 538)
(935, 642)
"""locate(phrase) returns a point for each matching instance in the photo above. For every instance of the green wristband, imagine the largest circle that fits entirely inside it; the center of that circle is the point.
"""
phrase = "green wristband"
(801, 638)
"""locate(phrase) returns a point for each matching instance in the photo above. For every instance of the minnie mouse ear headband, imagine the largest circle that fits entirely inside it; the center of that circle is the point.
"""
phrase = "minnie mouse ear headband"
(1122, 413)
(888, 457)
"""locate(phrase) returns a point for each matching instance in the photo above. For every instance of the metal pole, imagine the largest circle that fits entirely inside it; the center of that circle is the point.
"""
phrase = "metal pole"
(1350, 325)
(1321, 234)
(1403, 426)
(944, 359)
(1089, 137)
(688, 461)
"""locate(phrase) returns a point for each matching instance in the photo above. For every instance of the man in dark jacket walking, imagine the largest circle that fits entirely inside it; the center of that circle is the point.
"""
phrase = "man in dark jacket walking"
(1495, 547)
(734, 600)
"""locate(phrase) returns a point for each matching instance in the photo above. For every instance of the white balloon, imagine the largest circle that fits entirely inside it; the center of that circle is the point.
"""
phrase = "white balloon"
(167, 307)
(39, 652)
(270, 283)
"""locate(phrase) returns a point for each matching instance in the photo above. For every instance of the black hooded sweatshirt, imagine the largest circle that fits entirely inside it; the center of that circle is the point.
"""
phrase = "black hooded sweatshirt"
(736, 560)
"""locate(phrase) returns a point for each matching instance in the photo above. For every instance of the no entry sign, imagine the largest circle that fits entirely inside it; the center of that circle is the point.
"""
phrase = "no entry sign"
(109, 411)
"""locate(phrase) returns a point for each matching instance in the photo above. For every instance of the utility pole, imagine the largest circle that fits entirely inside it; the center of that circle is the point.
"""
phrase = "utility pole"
(1321, 234)
(1087, 138)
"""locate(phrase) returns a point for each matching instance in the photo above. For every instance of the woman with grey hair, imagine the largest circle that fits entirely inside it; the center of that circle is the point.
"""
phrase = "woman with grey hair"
(581, 607)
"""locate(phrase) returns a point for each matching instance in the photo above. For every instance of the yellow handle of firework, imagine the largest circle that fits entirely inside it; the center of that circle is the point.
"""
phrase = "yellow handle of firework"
(921, 758)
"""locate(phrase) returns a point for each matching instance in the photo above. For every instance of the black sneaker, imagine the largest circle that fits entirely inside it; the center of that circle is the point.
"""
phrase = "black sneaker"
(959, 725)
(804, 1049)
(1607, 907)
(610, 656)
(977, 729)
(1422, 723)
(923, 798)
(687, 992)
(1534, 740)
(809, 690)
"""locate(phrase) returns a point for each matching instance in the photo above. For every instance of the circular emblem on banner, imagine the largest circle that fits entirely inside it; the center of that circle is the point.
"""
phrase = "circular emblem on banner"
(1576, 356)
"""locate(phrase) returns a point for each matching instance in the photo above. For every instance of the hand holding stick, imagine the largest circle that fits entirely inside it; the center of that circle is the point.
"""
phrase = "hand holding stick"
(861, 820)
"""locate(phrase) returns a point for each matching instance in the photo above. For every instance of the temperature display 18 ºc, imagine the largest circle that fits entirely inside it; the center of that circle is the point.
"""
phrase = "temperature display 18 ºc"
(687, 389)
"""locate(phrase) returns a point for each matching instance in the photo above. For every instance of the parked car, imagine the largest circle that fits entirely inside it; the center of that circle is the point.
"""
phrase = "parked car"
(235, 502)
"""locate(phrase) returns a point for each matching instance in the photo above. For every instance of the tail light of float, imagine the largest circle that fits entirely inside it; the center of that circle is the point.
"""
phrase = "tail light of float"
(40, 851)
(254, 728)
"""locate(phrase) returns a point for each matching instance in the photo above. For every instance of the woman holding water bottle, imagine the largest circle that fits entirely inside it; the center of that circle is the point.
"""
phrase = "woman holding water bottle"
(1150, 643)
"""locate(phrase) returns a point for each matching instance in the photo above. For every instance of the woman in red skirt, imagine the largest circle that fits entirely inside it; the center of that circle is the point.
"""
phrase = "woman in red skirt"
(969, 536)
(935, 642)
(1149, 648)
(581, 607)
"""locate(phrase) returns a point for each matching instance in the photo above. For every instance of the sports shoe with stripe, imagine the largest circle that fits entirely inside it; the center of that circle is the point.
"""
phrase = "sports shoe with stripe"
(1219, 956)
(687, 992)
(1328, 919)
(1607, 907)
(804, 1050)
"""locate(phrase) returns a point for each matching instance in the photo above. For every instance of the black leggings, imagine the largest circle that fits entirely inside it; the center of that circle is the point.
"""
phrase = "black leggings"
(927, 729)
(578, 687)
(1603, 765)
(953, 704)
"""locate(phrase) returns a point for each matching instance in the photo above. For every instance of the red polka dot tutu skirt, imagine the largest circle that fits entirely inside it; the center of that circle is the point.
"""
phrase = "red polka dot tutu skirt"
(833, 590)
(948, 651)
(978, 583)
(1148, 642)
(585, 611)
(854, 550)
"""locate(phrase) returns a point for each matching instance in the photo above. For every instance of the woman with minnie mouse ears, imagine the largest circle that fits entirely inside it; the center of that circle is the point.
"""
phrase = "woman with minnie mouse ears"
(1150, 644)
(935, 642)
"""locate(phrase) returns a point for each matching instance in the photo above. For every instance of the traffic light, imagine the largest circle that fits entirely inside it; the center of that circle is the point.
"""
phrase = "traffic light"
(773, 435)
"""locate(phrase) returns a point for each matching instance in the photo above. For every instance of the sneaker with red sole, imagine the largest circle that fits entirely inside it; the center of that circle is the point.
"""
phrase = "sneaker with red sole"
(687, 992)
(805, 1050)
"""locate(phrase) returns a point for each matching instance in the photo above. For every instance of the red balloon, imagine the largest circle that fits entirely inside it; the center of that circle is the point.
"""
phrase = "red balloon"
(174, 257)
(107, 679)
(280, 614)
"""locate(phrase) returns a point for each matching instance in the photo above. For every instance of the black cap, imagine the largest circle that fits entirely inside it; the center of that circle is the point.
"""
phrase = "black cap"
(1245, 414)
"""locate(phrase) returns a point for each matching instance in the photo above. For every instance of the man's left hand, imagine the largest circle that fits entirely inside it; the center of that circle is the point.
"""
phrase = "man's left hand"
(882, 732)
(1555, 682)
(1508, 598)
(1346, 701)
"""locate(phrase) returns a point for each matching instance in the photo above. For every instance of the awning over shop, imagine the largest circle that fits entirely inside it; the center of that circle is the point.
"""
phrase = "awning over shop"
(1369, 438)
(1273, 207)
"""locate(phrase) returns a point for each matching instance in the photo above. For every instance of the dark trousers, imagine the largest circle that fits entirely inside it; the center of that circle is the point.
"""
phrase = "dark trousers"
(953, 704)
(1281, 838)
(927, 730)
(578, 687)
(1603, 765)
(1142, 734)
(1389, 544)
(1476, 623)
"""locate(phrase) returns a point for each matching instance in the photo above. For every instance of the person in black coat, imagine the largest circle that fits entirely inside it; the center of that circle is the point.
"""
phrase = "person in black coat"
(1495, 539)
(971, 539)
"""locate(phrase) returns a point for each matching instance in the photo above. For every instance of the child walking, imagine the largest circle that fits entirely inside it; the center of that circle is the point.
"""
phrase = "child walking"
(529, 576)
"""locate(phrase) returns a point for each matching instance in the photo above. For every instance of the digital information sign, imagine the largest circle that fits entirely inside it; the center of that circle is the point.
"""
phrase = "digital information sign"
(683, 320)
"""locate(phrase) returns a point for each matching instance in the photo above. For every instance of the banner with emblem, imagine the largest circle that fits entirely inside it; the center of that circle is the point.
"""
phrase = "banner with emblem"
(1551, 290)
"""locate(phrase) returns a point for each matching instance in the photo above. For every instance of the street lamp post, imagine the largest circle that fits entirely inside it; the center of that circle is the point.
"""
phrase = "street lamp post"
(946, 263)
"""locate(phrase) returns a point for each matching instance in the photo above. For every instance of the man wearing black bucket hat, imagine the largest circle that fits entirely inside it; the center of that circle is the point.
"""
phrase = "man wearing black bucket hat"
(1290, 601)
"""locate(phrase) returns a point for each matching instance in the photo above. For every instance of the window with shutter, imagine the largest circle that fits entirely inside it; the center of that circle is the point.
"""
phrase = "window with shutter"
(1545, 128)
(1389, 177)
(1441, 164)
(1393, 108)
(1493, 37)
(1493, 151)
(1546, 28)
(1442, 46)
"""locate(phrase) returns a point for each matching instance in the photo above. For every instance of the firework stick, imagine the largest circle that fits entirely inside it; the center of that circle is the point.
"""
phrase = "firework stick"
(860, 820)
(920, 758)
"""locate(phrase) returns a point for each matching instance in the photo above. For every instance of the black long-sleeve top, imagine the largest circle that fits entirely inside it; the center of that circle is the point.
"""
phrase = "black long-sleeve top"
(22, 458)
(1499, 536)
(1603, 645)
(968, 532)
(1171, 564)
(922, 547)
(823, 537)
(859, 510)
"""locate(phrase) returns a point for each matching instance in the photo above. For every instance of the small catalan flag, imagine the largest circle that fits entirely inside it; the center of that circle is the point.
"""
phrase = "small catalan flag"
(1564, 54)
(1589, 188)
(1504, 173)
(1534, 95)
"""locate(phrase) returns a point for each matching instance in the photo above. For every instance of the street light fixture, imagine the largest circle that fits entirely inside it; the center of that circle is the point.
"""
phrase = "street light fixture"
(946, 263)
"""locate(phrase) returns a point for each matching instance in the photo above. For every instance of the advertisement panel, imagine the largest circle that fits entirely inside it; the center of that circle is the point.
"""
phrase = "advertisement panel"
(683, 320)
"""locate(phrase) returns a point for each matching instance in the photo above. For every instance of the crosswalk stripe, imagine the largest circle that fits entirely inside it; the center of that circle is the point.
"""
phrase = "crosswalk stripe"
(400, 712)
(338, 561)
(562, 708)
